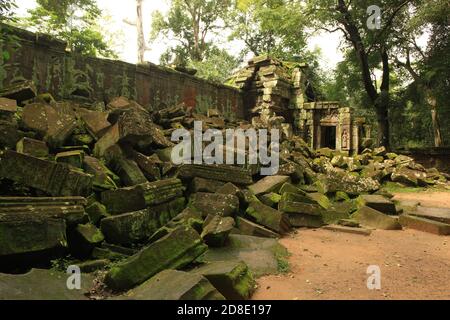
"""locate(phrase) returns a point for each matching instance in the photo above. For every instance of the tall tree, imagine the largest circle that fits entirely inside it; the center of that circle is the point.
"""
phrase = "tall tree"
(74, 21)
(373, 48)
(190, 22)
(139, 24)
(429, 68)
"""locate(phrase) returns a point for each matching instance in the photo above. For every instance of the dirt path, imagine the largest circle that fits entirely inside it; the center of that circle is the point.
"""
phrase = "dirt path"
(331, 265)
(426, 199)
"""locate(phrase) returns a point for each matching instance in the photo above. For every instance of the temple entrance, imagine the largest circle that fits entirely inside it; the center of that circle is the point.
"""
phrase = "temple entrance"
(328, 139)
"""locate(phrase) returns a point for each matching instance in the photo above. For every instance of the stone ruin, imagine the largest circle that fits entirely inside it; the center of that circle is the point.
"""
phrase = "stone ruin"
(276, 91)
(92, 185)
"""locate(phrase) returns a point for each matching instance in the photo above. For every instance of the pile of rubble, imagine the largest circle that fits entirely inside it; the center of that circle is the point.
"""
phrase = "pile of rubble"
(96, 182)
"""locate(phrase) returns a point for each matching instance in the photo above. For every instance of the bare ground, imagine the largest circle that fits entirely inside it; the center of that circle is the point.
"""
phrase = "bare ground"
(330, 265)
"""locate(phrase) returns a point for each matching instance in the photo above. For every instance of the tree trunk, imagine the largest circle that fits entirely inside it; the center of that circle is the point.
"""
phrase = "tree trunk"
(381, 107)
(431, 100)
(140, 30)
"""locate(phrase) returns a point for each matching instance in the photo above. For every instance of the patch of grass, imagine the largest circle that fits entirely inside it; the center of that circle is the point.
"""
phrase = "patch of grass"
(282, 255)
(393, 187)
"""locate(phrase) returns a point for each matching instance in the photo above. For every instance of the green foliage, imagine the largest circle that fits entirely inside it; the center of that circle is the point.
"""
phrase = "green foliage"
(190, 22)
(74, 21)
(217, 65)
(274, 27)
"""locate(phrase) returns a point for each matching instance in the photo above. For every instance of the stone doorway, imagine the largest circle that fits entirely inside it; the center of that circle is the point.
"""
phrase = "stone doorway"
(328, 137)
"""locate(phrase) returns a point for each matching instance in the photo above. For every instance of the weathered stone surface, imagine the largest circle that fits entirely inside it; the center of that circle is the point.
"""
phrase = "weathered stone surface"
(140, 196)
(214, 203)
(54, 178)
(232, 279)
(83, 239)
(30, 233)
(175, 285)
(262, 255)
(249, 228)
(175, 250)
(268, 184)
(231, 189)
(224, 173)
(267, 216)
(372, 218)
(436, 214)
(68, 208)
(54, 123)
(20, 92)
(288, 187)
(205, 185)
(320, 199)
(409, 177)
(74, 158)
(96, 211)
(216, 230)
(134, 128)
(32, 147)
(426, 225)
(137, 226)
(345, 229)
(270, 199)
(96, 122)
(150, 166)
(40, 284)
(377, 202)
(93, 265)
(8, 107)
(102, 176)
(349, 183)
(9, 135)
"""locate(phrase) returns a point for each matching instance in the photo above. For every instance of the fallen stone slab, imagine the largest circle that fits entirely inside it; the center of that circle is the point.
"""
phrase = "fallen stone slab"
(32, 147)
(214, 203)
(226, 173)
(8, 108)
(372, 218)
(173, 251)
(216, 230)
(20, 92)
(141, 196)
(102, 176)
(262, 255)
(268, 217)
(96, 122)
(423, 224)
(83, 238)
(93, 265)
(249, 228)
(231, 189)
(174, 285)
(436, 214)
(288, 187)
(54, 178)
(71, 209)
(39, 284)
(150, 166)
(377, 202)
(268, 184)
(53, 123)
(232, 279)
(134, 227)
(270, 199)
(344, 229)
(9, 135)
(74, 158)
(28, 234)
(205, 185)
(344, 181)
(409, 177)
